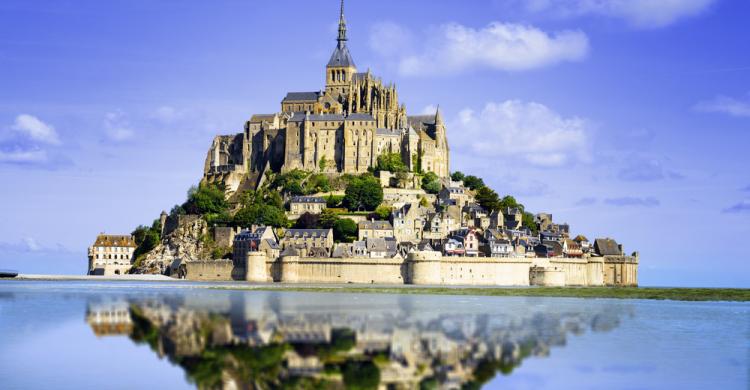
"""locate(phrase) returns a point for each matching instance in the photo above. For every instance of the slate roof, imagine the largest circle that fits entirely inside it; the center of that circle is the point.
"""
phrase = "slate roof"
(307, 199)
(388, 132)
(375, 225)
(302, 96)
(360, 117)
(258, 118)
(109, 240)
(307, 233)
(606, 247)
(341, 56)
(419, 120)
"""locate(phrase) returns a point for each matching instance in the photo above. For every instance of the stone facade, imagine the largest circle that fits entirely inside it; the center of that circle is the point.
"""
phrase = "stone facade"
(340, 129)
(111, 255)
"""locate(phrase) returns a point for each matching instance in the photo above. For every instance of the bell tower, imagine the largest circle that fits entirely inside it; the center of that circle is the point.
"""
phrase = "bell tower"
(340, 68)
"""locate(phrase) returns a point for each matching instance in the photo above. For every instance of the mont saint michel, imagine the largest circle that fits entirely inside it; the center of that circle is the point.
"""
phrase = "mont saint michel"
(374, 195)
(342, 185)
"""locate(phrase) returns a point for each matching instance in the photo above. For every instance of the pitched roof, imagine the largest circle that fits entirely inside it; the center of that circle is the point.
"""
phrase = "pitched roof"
(302, 96)
(341, 57)
(359, 117)
(307, 199)
(110, 240)
(388, 132)
(606, 247)
(375, 225)
(258, 118)
(307, 233)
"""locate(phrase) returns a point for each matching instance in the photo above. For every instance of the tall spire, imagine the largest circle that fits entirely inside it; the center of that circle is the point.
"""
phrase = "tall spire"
(342, 26)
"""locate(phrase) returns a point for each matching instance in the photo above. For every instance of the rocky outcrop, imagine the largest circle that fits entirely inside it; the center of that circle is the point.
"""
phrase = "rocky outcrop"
(183, 244)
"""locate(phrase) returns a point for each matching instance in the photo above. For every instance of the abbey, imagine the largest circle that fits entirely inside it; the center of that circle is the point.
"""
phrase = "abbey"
(342, 128)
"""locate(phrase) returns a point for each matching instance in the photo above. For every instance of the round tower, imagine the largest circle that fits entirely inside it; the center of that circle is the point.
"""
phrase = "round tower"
(424, 267)
(255, 269)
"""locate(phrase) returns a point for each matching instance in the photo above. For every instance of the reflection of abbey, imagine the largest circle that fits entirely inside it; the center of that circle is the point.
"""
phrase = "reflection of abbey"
(342, 128)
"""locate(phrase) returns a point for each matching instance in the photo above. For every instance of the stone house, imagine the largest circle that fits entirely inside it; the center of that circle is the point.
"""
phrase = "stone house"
(257, 239)
(513, 218)
(583, 242)
(299, 205)
(458, 196)
(111, 255)
(498, 248)
(374, 229)
(470, 239)
(496, 220)
(408, 222)
(453, 247)
(307, 240)
(570, 248)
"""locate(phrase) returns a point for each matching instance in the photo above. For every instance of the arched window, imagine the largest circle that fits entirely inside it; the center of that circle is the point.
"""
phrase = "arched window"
(343, 76)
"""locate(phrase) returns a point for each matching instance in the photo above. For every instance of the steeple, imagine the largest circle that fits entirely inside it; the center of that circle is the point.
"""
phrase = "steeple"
(340, 68)
(438, 116)
(342, 27)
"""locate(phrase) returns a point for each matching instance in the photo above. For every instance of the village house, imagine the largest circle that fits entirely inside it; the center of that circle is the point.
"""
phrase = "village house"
(453, 247)
(470, 239)
(306, 241)
(496, 220)
(299, 205)
(257, 239)
(583, 242)
(543, 221)
(458, 196)
(571, 248)
(496, 244)
(374, 229)
(408, 222)
(513, 218)
(111, 255)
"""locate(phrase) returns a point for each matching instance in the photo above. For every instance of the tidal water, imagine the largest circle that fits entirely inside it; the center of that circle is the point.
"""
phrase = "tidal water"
(127, 335)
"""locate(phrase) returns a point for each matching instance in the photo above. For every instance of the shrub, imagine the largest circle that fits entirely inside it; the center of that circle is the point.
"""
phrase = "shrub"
(390, 162)
(344, 230)
(431, 183)
(206, 198)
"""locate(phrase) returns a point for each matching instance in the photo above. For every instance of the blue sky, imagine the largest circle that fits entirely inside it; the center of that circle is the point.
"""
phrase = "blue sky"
(628, 119)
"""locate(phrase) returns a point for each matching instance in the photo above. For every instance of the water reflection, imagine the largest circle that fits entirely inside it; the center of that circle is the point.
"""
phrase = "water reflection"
(286, 340)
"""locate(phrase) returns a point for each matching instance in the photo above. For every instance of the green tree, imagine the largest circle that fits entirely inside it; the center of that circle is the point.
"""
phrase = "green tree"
(383, 212)
(431, 183)
(328, 218)
(344, 230)
(391, 162)
(361, 375)
(363, 193)
(488, 198)
(473, 182)
(457, 176)
(529, 221)
(509, 201)
(206, 199)
(317, 183)
(423, 202)
(307, 221)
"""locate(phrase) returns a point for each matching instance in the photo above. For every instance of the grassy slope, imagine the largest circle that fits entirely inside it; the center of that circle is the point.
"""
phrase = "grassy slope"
(678, 294)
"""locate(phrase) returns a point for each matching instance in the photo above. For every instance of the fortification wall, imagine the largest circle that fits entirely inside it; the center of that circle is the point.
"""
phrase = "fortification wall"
(212, 270)
(485, 271)
(550, 276)
(620, 270)
(575, 271)
(293, 269)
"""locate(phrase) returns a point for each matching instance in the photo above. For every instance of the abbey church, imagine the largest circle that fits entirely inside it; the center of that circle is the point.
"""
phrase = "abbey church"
(340, 129)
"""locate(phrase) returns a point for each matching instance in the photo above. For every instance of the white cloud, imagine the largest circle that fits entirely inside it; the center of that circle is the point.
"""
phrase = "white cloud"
(167, 114)
(31, 244)
(36, 130)
(23, 156)
(453, 48)
(525, 131)
(725, 105)
(117, 127)
(639, 13)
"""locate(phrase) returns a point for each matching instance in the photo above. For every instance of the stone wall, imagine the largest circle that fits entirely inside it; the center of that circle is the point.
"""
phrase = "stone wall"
(425, 268)
(212, 270)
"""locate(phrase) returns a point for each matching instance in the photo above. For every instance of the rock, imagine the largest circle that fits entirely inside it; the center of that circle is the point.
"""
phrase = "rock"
(181, 245)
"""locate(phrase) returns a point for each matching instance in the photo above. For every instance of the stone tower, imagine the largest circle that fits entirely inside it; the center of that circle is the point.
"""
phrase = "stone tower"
(340, 69)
